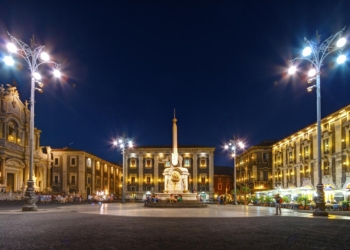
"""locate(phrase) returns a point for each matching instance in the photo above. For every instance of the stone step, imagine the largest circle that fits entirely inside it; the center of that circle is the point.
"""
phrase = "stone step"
(184, 204)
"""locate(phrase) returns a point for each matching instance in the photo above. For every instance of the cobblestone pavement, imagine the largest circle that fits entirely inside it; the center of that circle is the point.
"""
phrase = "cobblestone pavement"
(132, 226)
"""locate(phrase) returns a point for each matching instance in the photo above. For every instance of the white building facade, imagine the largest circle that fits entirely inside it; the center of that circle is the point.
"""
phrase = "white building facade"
(295, 158)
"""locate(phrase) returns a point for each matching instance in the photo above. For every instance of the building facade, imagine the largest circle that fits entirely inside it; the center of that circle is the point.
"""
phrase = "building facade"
(223, 180)
(76, 171)
(14, 144)
(54, 170)
(295, 158)
(144, 168)
(254, 167)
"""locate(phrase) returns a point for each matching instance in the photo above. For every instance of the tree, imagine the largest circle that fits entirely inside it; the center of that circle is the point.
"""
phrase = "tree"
(244, 191)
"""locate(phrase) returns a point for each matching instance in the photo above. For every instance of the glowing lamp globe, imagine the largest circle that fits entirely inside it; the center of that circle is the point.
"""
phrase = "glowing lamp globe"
(57, 73)
(11, 48)
(37, 76)
(341, 42)
(307, 51)
(44, 56)
(292, 70)
(341, 59)
(312, 72)
(9, 60)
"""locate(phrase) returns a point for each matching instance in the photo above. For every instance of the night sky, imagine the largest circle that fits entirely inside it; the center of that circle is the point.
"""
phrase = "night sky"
(221, 64)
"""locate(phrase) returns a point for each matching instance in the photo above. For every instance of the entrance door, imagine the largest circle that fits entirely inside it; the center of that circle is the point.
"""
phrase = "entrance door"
(10, 182)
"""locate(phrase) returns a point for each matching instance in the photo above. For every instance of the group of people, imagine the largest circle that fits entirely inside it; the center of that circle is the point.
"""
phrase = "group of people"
(175, 198)
(151, 198)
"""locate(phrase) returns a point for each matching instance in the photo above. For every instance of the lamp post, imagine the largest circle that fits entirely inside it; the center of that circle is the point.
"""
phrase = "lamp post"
(35, 56)
(122, 143)
(315, 53)
(232, 146)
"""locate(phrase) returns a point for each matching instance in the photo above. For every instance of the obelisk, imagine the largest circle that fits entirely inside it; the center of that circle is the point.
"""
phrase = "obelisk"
(174, 155)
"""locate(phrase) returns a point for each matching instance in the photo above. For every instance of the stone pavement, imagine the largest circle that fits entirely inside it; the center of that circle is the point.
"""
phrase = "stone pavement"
(132, 226)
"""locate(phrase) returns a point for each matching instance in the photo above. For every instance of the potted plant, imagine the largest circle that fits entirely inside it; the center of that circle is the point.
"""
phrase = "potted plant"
(244, 191)
(344, 205)
(304, 200)
(255, 200)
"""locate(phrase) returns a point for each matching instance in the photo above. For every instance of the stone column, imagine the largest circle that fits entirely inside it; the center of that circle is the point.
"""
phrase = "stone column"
(108, 178)
(155, 171)
(2, 169)
(81, 174)
(211, 175)
(297, 176)
(195, 171)
(64, 173)
(140, 177)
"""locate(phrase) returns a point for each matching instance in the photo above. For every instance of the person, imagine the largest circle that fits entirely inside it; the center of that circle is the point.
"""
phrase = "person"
(218, 199)
(179, 199)
(147, 199)
(278, 203)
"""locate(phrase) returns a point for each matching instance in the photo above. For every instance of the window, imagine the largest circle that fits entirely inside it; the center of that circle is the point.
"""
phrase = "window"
(290, 156)
(56, 162)
(72, 180)
(111, 170)
(105, 168)
(227, 186)
(265, 156)
(326, 145)
(148, 180)
(148, 163)
(253, 156)
(219, 186)
(133, 180)
(187, 163)
(306, 152)
(73, 161)
(98, 166)
(133, 163)
(167, 164)
(203, 180)
(89, 180)
(203, 163)
(88, 162)
(98, 181)
(105, 182)
(56, 179)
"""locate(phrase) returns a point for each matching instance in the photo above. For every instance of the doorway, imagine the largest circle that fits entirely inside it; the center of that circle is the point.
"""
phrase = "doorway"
(10, 182)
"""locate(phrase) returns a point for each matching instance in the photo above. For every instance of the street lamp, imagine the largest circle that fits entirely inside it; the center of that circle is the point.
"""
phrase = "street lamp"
(315, 53)
(35, 56)
(232, 147)
(122, 143)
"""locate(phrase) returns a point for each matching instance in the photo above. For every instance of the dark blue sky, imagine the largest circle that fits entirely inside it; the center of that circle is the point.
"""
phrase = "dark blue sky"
(221, 64)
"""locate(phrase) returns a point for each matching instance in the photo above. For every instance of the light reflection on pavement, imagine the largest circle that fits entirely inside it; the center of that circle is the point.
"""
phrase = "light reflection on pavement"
(212, 211)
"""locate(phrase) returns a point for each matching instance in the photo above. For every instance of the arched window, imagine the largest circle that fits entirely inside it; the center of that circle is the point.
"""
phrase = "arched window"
(13, 135)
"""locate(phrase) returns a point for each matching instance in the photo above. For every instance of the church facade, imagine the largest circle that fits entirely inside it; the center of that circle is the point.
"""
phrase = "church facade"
(54, 170)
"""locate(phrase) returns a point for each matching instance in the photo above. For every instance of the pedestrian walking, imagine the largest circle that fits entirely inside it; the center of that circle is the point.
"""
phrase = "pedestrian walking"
(278, 200)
